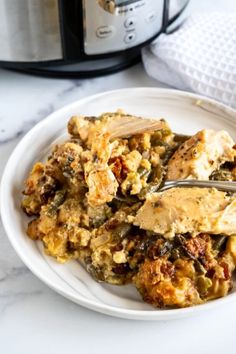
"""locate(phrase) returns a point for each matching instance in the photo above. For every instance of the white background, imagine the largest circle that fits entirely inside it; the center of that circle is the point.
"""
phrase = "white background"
(34, 319)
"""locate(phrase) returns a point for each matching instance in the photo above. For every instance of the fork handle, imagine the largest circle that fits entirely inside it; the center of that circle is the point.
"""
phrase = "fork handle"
(221, 185)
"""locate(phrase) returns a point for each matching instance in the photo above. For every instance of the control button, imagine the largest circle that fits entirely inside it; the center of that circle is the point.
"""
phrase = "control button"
(130, 22)
(151, 17)
(130, 37)
(105, 31)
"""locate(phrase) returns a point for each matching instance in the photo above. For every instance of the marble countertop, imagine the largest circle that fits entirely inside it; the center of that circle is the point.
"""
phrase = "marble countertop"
(33, 318)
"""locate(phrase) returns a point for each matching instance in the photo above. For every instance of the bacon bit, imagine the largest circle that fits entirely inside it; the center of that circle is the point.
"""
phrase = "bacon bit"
(210, 273)
(121, 269)
(112, 224)
(167, 269)
(196, 246)
(225, 267)
(118, 168)
(117, 247)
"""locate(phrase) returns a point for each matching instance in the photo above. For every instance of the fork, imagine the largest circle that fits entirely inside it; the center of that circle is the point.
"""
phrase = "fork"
(226, 186)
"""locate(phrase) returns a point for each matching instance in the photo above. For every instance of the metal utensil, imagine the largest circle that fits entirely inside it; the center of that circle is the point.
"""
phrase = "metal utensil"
(226, 186)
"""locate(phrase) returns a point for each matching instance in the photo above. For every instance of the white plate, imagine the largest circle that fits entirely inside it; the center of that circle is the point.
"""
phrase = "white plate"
(186, 113)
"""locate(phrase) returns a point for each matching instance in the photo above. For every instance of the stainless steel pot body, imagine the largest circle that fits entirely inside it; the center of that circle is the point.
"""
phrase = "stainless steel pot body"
(34, 31)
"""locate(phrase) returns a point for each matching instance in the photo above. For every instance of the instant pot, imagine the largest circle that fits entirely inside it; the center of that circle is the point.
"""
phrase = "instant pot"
(82, 38)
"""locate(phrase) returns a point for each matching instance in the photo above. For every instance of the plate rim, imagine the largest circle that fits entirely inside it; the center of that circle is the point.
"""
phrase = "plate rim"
(5, 188)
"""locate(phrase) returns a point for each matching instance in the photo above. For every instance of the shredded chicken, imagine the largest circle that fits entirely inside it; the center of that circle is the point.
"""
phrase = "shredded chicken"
(199, 156)
(181, 210)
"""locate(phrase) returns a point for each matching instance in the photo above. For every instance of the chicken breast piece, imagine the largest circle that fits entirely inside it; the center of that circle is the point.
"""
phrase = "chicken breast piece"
(102, 186)
(182, 210)
(200, 155)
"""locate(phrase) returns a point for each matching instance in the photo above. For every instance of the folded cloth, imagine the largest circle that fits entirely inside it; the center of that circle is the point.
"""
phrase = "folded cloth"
(199, 57)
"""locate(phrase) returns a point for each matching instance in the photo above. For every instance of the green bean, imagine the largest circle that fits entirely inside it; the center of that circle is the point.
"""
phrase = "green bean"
(157, 139)
(175, 254)
(181, 138)
(221, 175)
(57, 201)
(199, 267)
(168, 154)
(219, 242)
(203, 284)
(166, 247)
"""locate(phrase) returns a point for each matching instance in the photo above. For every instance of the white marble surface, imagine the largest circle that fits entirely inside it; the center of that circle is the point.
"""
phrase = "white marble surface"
(34, 319)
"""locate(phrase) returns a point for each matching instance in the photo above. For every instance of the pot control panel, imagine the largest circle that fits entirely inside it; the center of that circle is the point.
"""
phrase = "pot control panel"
(116, 25)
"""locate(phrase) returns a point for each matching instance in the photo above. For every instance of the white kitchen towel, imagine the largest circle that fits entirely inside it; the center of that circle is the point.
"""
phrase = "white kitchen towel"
(199, 57)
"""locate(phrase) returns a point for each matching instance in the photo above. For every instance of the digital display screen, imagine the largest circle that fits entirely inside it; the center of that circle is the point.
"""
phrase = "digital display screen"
(124, 2)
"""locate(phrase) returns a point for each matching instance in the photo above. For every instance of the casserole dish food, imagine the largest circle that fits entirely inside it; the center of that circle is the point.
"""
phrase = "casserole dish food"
(70, 278)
